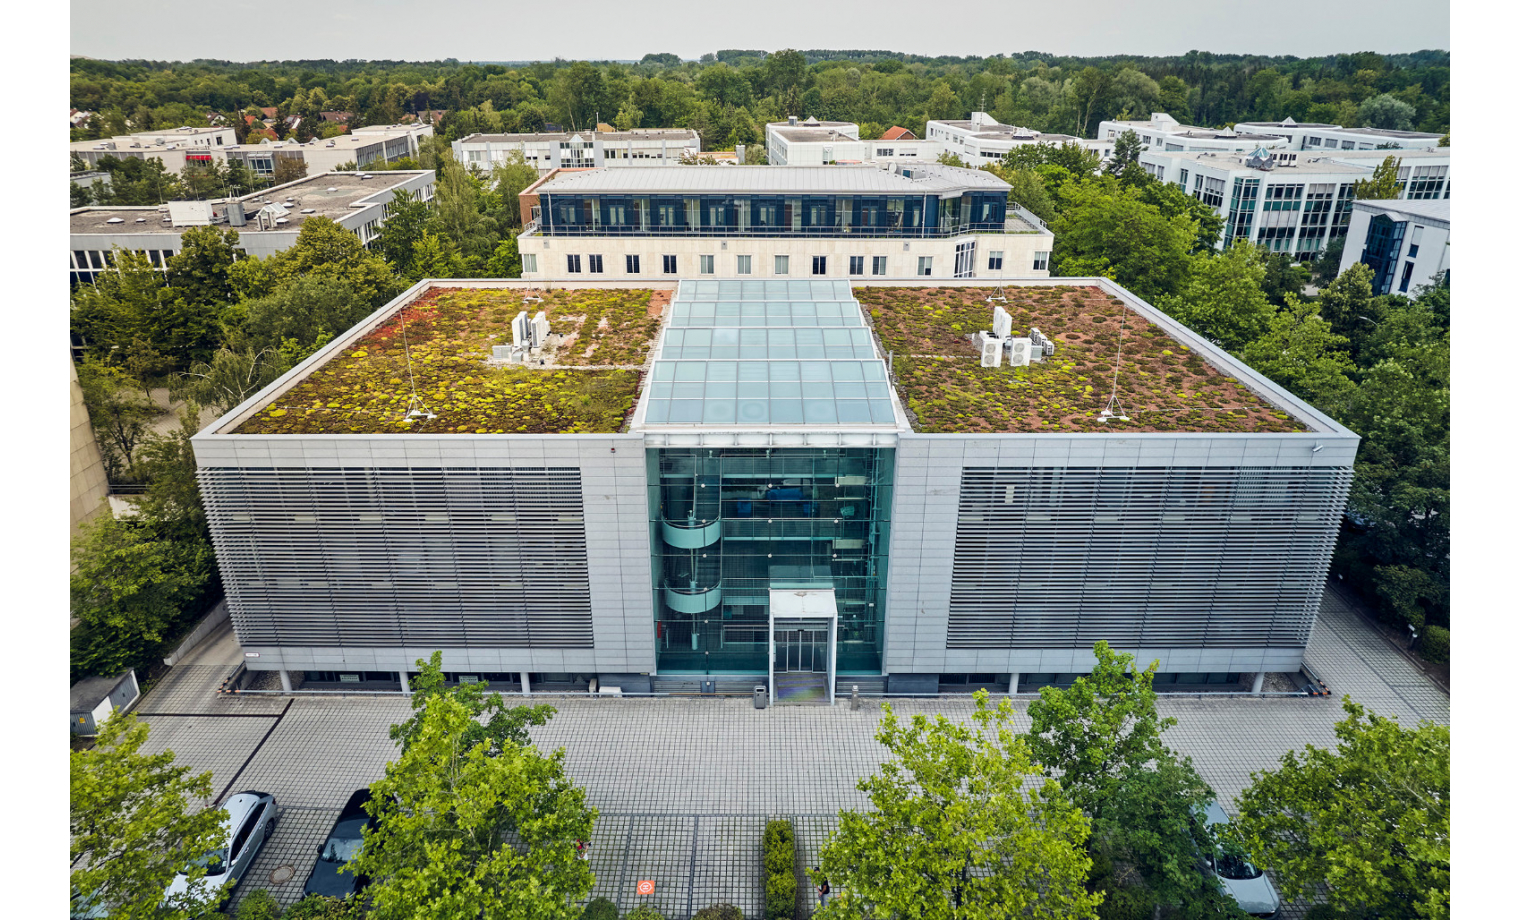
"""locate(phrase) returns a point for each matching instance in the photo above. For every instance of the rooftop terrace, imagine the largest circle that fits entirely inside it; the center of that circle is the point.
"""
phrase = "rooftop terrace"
(585, 380)
(1162, 384)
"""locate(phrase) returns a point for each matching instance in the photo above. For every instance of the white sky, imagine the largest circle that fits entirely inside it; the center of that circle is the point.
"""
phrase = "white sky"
(244, 30)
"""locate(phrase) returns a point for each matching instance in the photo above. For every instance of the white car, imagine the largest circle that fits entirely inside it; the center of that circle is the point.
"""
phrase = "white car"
(1248, 885)
(250, 817)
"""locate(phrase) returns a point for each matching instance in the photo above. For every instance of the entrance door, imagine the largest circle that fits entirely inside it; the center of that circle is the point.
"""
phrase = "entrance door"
(802, 650)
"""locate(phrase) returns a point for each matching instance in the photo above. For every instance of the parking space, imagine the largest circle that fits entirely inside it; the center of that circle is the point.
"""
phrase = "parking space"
(684, 785)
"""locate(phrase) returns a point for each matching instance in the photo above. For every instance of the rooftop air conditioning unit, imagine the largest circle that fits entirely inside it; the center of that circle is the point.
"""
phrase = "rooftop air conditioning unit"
(1049, 348)
(1002, 323)
(540, 329)
(1019, 351)
(521, 331)
(992, 351)
(501, 352)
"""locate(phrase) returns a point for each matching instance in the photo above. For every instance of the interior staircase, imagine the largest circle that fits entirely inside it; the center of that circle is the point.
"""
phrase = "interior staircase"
(804, 687)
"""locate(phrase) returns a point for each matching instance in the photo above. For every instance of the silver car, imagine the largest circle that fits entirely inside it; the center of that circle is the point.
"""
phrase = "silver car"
(250, 817)
(1248, 885)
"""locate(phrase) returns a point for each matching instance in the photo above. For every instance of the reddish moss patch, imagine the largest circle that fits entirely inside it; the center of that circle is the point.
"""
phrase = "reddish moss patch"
(589, 384)
(1162, 385)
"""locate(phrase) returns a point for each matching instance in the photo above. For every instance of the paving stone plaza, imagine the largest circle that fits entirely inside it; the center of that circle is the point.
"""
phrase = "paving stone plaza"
(684, 786)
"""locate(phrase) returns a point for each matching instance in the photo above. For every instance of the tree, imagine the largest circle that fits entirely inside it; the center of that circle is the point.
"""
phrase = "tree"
(173, 499)
(960, 827)
(1383, 184)
(119, 414)
(288, 169)
(133, 825)
(1126, 151)
(1284, 277)
(1370, 819)
(1387, 112)
(1027, 190)
(324, 250)
(201, 272)
(1103, 228)
(509, 178)
(1346, 302)
(463, 834)
(406, 219)
(437, 257)
(456, 212)
(1222, 297)
(506, 725)
(950, 159)
(1301, 352)
(308, 310)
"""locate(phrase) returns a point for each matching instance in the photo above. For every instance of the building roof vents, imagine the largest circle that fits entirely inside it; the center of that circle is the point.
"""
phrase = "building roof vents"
(332, 188)
(140, 220)
(281, 220)
(115, 220)
(1260, 158)
(308, 210)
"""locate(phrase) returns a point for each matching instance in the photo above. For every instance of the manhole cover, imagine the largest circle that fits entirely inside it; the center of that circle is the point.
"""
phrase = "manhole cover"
(281, 875)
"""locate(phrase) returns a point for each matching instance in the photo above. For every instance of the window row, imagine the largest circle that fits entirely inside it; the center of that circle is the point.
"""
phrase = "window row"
(780, 265)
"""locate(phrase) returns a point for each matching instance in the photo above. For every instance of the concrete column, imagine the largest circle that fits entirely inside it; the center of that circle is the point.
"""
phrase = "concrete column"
(527, 690)
(1013, 684)
(406, 685)
(285, 680)
(1256, 684)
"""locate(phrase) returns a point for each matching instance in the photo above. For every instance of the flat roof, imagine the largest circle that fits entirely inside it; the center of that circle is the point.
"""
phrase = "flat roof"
(586, 379)
(677, 180)
(329, 195)
(1438, 209)
(341, 142)
(801, 135)
(1237, 160)
(767, 354)
(1288, 124)
(655, 134)
(1162, 384)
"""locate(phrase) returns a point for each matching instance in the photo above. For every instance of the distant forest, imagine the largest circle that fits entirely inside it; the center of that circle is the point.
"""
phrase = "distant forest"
(730, 95)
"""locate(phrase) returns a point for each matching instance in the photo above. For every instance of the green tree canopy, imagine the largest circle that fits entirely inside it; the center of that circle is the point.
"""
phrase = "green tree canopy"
(1386, 111)
(1300, 351)
(960, 828)
(323, 250)
(308, 310)
(1370, 819)
(1383, 184)
(1104, 228)
(134, 823)
(406, 219)
(201, 272)
(467, 835)
(1222, 298)
(505, 726)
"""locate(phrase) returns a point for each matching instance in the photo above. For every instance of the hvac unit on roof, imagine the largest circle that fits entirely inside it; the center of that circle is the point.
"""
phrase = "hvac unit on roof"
(1019, 352)
(540, 329)
(1002, 323)
(521, 333)
(992, 351)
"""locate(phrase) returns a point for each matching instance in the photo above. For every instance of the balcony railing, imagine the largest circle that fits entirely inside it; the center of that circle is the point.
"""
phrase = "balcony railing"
(854, 232)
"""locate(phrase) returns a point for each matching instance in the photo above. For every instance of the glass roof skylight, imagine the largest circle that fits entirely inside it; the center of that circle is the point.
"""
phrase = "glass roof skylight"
(768, 353)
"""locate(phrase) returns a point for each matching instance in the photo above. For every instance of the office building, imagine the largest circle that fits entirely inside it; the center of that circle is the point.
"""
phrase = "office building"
(982, 139)
(820, 143)
(553, 150)
(1325, 138)
(1295, 205)
(809, 483)
(923, 220)
(1406, 243)
(366, 148)
(176, 147)
(1162, 133)
(267, 222)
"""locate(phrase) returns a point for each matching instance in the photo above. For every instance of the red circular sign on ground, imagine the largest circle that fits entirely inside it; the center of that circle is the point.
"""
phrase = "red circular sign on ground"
(646, 887)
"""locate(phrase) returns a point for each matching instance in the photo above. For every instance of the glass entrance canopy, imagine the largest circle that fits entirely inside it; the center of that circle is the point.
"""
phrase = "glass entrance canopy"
(755, 354)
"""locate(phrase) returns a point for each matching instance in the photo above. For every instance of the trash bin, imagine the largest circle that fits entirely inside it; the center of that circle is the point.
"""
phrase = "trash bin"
(762, 697)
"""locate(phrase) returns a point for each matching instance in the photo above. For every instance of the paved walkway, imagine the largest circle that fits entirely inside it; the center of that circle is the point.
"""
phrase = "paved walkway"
(684, 785)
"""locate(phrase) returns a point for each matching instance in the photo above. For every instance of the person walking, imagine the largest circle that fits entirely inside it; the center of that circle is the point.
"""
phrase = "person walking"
(823, 887)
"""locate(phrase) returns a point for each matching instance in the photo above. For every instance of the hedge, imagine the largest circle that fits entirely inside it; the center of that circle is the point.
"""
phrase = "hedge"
(719, 912)
(1435, 645)
(780, 855)
(600, 909)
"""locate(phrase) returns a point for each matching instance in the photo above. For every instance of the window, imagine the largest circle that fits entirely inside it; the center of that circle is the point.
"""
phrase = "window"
(820, 265)
(669, 264)
(1041, 261)
(742, 266)
(246, 831)
(925, 265)
(573, 264)
(596, 264)
(883, 151)
(705, 264)
(783, 265)
(995, 261)
(878, 265)
(965, 259)
(857, 265)
(530, 263)
(631, 263)
(1348, 145)
(1404, 281)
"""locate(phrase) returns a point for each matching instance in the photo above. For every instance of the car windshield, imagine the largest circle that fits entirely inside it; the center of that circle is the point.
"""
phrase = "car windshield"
(1235, 868)
(215, 862)
(340, 849)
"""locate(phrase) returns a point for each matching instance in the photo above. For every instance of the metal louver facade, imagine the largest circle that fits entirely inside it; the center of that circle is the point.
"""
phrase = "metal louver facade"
(455, 557)
(1223, 557)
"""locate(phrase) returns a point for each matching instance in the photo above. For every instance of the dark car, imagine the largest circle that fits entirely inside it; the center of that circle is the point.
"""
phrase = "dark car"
(341, 845)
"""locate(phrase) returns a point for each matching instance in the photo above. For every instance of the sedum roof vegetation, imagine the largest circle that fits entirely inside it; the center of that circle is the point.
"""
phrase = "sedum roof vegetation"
(588, 383)
(1162, 385)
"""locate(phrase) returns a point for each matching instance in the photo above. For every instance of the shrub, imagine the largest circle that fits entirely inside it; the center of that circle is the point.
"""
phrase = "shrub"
(600, 909)
(780, 855)
(780, 896)
(258, 904)
(719, 912)
(1435, 645)
(320, 907)
(643, 912)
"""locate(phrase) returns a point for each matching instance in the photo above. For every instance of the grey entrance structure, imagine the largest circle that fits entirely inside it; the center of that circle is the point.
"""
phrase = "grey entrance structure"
(803, 628)
(773, 448)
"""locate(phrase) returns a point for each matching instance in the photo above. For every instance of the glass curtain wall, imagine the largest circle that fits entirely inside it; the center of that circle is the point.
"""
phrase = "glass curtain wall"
(774, 215)
(728, 525)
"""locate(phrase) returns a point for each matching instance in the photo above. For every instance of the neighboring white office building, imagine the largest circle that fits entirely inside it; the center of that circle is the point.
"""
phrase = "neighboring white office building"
(176, 147)
(1162, 133)
(365, 148)
(920, 220)
(267, 222)
(1325, 138)
(1297, 205)
(580, 149)
(982, 139)
(820, 143)
(1405, 243)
